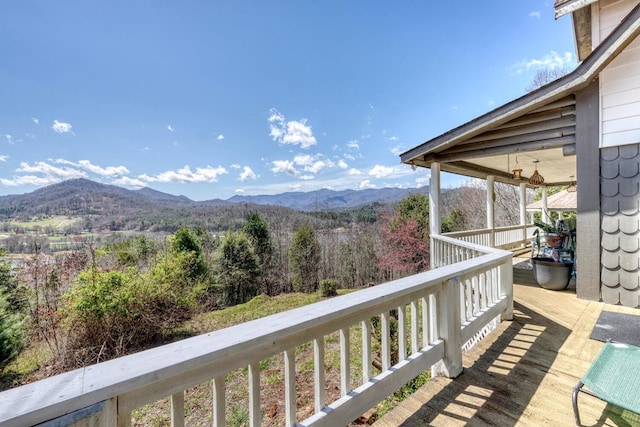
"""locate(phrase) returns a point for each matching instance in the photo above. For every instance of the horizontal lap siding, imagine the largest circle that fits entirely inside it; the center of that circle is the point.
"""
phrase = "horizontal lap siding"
(620, 83)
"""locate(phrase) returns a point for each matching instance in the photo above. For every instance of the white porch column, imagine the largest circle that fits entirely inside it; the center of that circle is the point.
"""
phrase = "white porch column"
(434, 207)
(434, 200)
(491, 195)
(545, 211)
(523, 203)
(523, 211)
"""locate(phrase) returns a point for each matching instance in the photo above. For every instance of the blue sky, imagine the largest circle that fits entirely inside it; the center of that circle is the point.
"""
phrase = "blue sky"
(210, 99)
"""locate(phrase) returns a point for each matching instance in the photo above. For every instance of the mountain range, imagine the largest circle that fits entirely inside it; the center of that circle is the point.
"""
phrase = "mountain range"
(83, 197)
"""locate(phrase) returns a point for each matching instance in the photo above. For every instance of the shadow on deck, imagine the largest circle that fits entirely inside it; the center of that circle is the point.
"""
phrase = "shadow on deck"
(522, 373)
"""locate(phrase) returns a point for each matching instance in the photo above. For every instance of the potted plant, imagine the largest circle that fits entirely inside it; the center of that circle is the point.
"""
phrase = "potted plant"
(553, 263)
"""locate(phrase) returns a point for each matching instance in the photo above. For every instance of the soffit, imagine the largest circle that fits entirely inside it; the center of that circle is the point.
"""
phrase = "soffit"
(545, 135)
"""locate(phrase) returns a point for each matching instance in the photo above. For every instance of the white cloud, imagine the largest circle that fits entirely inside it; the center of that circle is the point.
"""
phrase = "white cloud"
(380, 171)
(284, 166)
(366, 184)
(534, 14)
(61, 127)
(4, 158)
(52, 174)
(552, 60)
(35, 120)
(353, 145)
(235, 166)
(170, 128)
(307, 177)
(220, 137)
(423, 180)
(312, 164)
(342, 164)
(275, 116)
(316, 166)
(186, 175)
(298, 133)
(354, 171)
(9, 138)
(127, 181)
(38, 181)
(303, 160)
(247, 174)
(397, 150)
(349, 157)
(290, 132)
(109, 171)
(239, 190)
(393, 138)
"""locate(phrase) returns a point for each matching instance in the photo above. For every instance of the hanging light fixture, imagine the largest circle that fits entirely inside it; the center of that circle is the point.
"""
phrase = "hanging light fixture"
(517, 171)
(572, 186)
(536, 178)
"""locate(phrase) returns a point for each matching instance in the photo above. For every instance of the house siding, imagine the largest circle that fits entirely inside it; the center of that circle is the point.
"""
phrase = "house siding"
(619, 81)
(620, 224)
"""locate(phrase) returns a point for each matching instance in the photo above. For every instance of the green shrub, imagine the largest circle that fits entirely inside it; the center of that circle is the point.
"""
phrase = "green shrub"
(111, 313)
(13, 331)
(329, 288)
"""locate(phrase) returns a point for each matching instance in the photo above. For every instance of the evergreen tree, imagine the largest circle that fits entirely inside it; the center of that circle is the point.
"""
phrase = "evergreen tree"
(257, 230)
(304, 259)
(13, 319)
(186, 242)
(237, 267)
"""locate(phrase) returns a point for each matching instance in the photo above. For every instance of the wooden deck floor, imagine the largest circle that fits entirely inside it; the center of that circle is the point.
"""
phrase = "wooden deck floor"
(523, 373)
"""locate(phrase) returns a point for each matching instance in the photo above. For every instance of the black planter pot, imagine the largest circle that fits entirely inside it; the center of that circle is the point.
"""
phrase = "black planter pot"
(550, 274)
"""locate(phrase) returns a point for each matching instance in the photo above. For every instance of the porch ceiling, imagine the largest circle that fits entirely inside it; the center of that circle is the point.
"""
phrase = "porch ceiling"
(545, 135)
(540, 125)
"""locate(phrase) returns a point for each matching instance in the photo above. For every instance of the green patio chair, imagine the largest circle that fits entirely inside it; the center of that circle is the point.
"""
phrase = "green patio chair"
(614, 377)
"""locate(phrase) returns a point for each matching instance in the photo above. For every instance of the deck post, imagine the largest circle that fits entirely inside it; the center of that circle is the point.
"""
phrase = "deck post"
(506, 288)
(449, 329)
(491, 198)
(523, 212)
(545, 211)
(434, 200)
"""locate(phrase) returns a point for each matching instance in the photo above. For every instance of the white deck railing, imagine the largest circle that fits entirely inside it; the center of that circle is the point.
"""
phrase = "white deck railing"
(500, 237)
(438, 311)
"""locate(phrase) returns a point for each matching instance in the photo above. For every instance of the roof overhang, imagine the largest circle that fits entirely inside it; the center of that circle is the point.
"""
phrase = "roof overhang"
(580, 11)
(562, 7)
(561, 201)
(537, 125)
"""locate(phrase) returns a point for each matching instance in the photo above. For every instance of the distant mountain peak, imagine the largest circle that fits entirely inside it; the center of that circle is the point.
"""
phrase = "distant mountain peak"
(326, 199)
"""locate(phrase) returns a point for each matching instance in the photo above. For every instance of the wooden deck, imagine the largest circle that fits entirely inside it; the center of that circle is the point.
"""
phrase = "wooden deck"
(523, 373)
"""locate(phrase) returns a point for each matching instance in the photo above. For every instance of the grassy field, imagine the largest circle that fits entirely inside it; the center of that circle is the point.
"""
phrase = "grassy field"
(58, 222)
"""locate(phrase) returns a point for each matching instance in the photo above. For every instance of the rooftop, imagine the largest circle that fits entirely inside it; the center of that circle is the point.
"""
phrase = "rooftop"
(523, 373)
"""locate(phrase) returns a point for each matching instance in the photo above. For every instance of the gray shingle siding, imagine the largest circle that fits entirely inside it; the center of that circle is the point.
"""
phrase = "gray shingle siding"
(620, 224)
